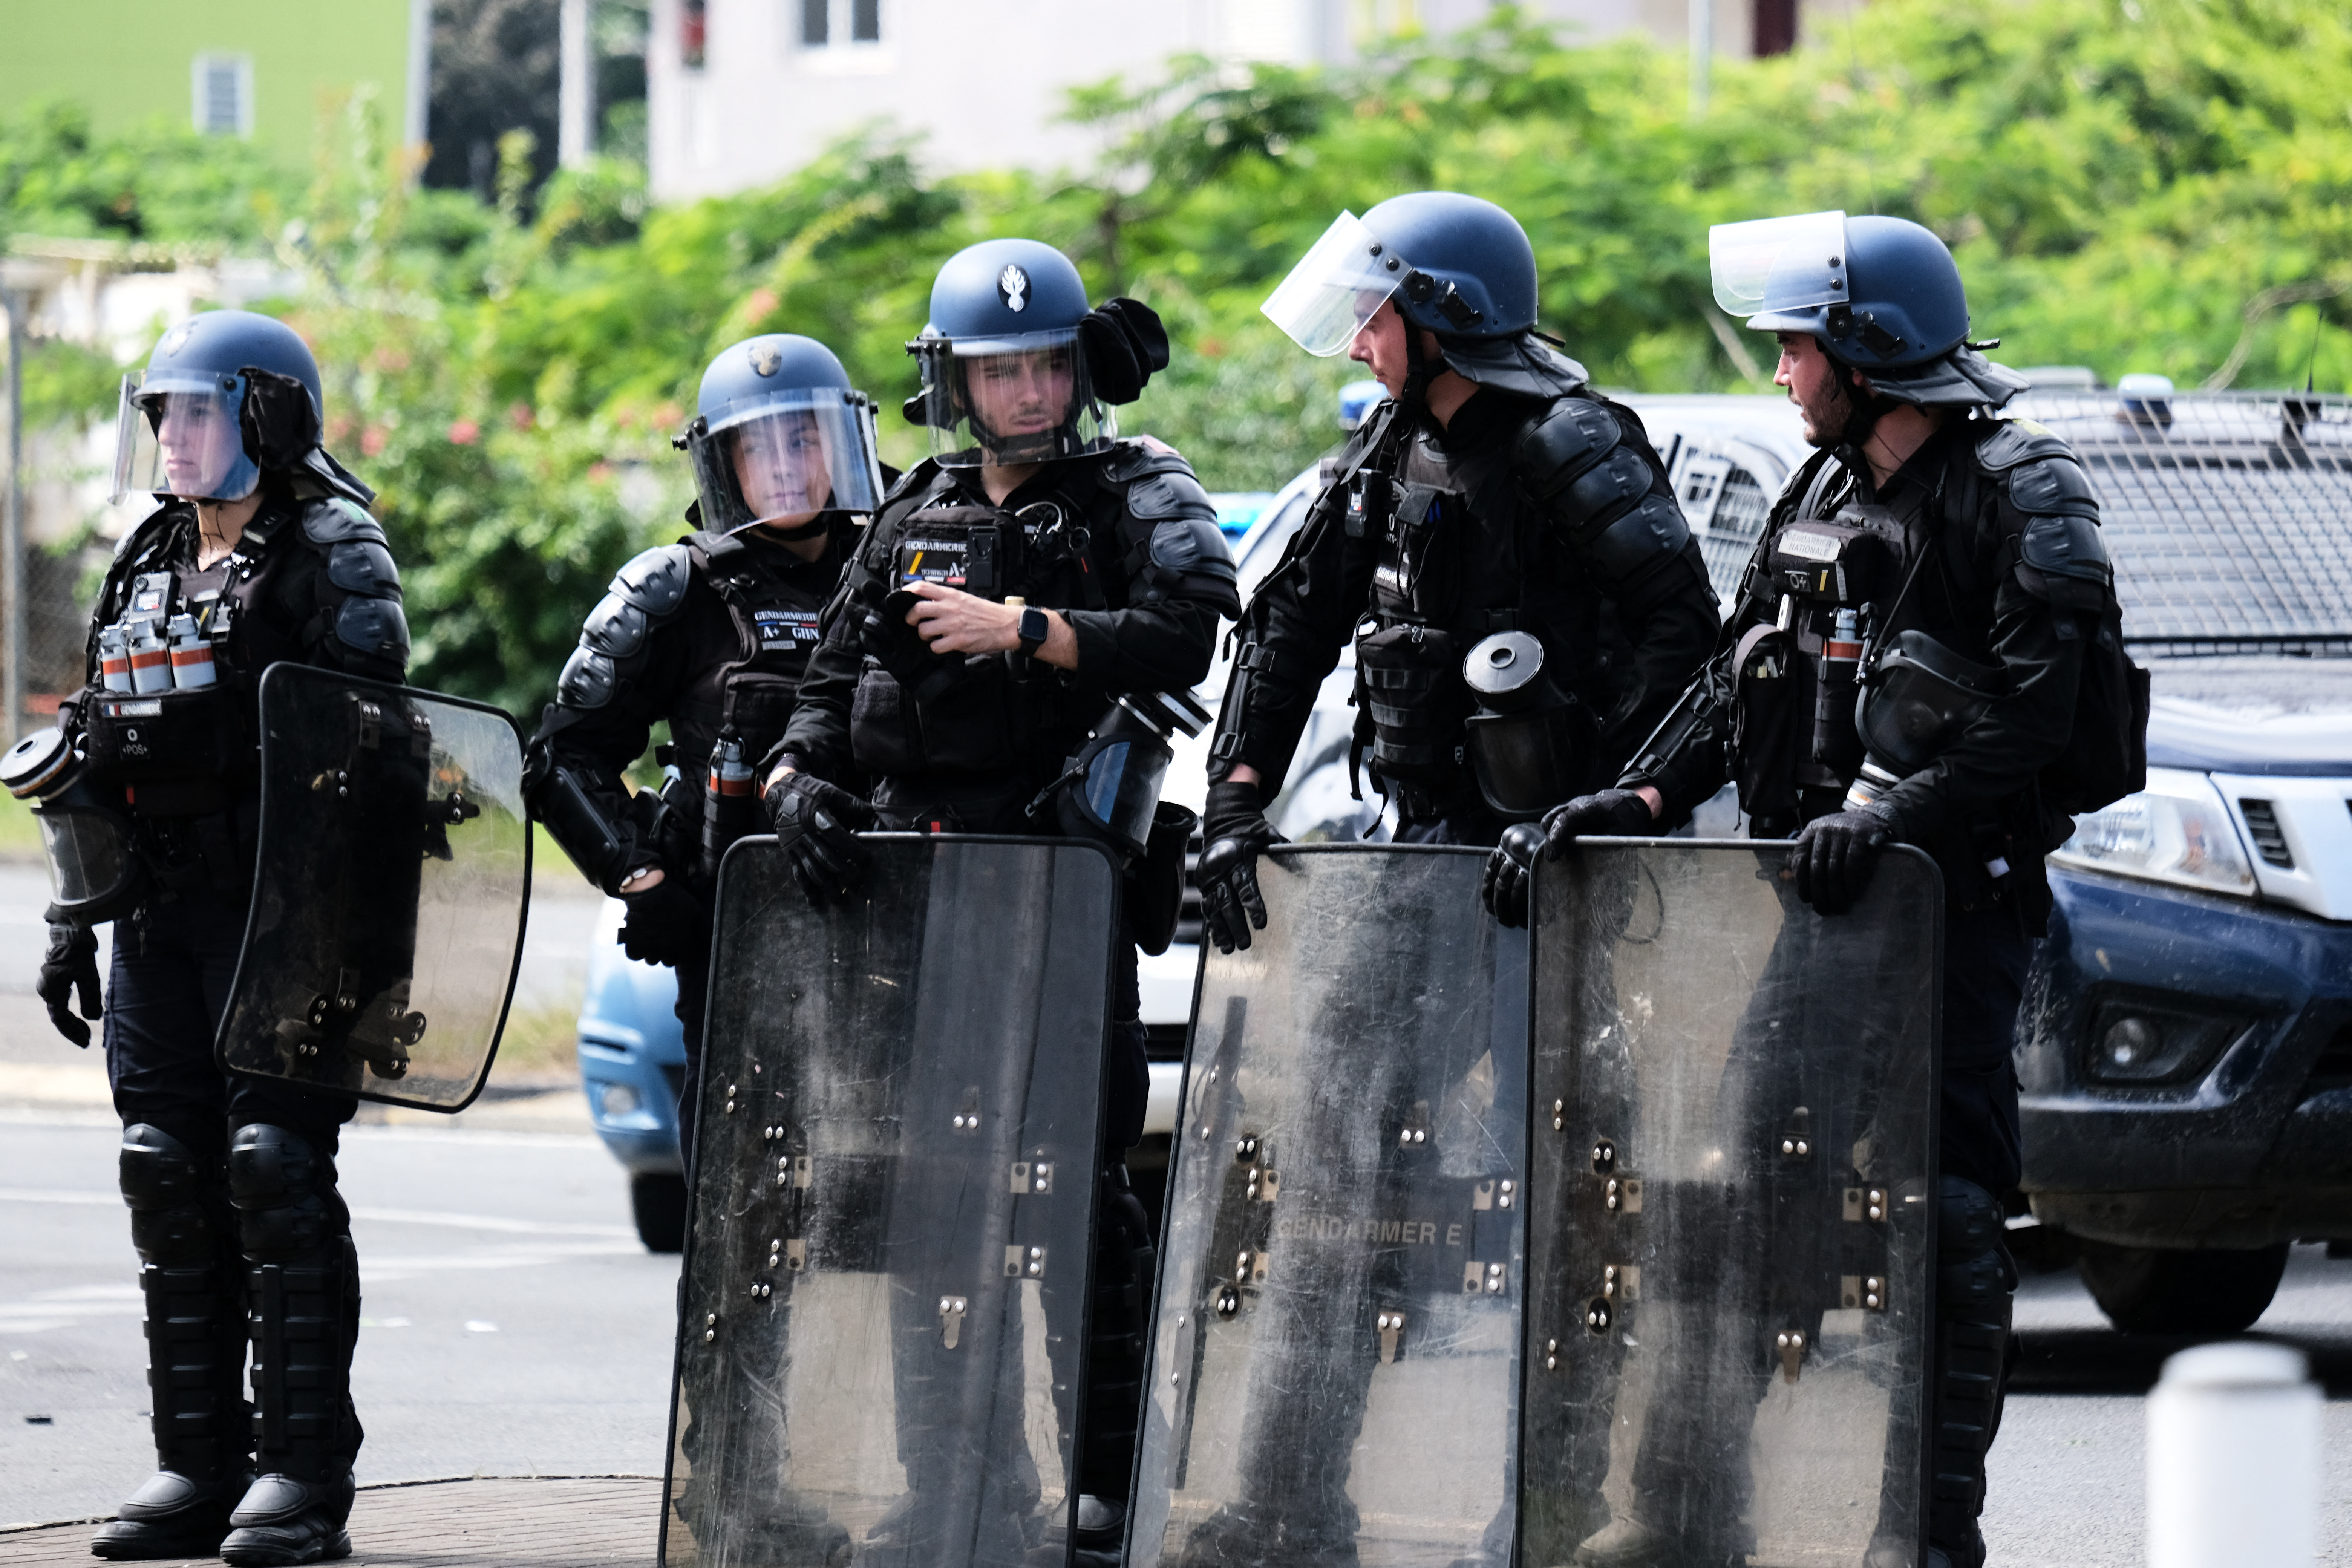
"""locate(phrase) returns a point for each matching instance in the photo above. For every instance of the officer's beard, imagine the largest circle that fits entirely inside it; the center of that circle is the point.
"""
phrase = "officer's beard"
(1850, 415)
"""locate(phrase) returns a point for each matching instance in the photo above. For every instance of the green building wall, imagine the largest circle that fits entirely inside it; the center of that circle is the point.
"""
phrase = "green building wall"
(132, 60)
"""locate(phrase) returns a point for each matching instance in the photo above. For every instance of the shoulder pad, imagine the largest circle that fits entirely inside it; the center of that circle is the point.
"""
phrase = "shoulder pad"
(1559, 442)
(2013, 441)
(656, 580)
(373, 626)
(1134, 457)
(2052, 483)
(1169, 492)
(332, 519)
(363, 567)
(2066, 546)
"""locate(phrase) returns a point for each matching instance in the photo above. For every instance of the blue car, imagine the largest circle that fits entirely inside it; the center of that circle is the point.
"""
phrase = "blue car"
(632, 1064)
(2187, 1073)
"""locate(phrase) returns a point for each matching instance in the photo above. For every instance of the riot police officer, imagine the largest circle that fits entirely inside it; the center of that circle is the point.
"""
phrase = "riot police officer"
(1946, 565)
(1012, 590)
(261, 550)
(1524, 595)
(711, 634)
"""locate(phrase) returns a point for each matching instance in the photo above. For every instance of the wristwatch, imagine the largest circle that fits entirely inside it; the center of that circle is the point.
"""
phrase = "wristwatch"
(1034, 629)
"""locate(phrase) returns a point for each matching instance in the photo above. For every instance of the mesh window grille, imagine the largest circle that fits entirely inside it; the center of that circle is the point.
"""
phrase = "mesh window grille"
(223, 86)
(2228, 516)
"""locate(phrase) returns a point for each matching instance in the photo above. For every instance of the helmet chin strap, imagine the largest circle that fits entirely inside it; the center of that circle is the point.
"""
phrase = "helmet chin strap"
(1863, 409)
(1418, 370)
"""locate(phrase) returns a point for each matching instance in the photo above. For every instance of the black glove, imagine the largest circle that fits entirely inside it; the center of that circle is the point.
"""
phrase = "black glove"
(1233, 830)
(71, 962)
(1124, 343)
(1834, 855)
(817, 824)
(667, 924)
(1612, 814)
(1509, 872)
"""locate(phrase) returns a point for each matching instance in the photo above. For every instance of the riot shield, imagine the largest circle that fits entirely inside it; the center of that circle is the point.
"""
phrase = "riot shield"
(889, 1242)
(1334, 1371)
(1732, 1180)
(389, 894)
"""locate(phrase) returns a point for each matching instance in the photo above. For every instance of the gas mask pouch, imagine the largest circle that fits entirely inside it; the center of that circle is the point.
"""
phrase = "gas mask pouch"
(1529, 743)
(1921, 696)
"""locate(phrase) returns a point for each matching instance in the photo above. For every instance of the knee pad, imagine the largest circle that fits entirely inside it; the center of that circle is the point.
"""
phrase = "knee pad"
(1974, 1273)
(284, 1194)
(173, 1221)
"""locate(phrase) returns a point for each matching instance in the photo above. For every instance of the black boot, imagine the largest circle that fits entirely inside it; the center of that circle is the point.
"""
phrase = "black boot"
(302, 1291)
(182, 1227)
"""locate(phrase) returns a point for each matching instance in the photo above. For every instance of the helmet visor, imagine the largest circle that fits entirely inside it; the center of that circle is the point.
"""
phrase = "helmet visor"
(182, 436)
(794, 456)
(1778, 263)
(1000, 401)
(1336, 288)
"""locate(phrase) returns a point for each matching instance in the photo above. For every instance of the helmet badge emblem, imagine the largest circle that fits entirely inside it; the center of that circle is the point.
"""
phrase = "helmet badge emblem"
(1012, 287)
(766, 358)
(177, 338)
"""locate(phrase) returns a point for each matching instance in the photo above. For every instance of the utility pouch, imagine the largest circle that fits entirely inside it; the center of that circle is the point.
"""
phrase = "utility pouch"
(1419, 562)
(972, 722)
(1409, 683)
(1767, 719)
(1155, 881)
(1920, 698)
(966, 547)
(1852, 559)
(883, 739)
(179, 752)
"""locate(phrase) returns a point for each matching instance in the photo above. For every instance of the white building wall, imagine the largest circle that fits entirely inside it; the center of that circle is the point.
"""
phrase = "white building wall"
(984, 81)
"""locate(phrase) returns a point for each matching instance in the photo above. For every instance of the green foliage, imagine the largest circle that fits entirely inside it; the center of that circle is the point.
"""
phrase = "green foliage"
(2129, 184)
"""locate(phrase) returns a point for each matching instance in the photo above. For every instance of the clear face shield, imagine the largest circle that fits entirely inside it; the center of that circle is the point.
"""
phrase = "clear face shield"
(182, 436)
(1776, 264)
(1001, 401)
(786, 460)
(1336, 288)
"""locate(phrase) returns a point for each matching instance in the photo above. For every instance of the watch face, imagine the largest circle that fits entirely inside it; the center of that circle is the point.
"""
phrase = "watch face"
(1034, 625)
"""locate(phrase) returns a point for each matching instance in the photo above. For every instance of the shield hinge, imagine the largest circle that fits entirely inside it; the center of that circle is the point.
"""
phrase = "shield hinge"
(1032, 1176)
(1867, 1292)
(1866, 1205)
(1484, 1278)
(1024, 1262)
(1265, 1184)
(1790, 1345)
(951, 1311)
(1620, 1282)
(1391, 1328)
(1797, 1138)
(792, 1253)
(794, 1170)
(1621, 1195)
(1494, 1192)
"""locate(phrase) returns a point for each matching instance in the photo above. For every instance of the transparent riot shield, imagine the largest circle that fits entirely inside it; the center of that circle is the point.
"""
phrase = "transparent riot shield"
(889, 1241)
(389, 895)
(1731, 1181)
(1334, 1364)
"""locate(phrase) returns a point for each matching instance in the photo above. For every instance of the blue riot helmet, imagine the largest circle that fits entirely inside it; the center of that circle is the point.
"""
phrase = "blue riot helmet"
(1882, 294)
(227, 396)
(780, 437)
(1456, 266)
(1006, 374)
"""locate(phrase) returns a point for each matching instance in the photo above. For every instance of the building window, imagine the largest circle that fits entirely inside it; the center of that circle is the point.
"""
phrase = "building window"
(223, 95)
(823, 23)
(692, 27)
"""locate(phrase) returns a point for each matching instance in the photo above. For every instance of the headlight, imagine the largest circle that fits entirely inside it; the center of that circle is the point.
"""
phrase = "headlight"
(620, 1099)
(2136, 1040)
(2175, 830)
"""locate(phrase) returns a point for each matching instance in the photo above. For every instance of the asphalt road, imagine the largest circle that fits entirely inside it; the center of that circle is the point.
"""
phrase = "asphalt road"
(514, 1327)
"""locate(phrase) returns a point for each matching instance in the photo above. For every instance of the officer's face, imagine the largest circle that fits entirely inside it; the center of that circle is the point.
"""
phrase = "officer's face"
(1812, 380)
(200, 442)
(1379, 347)
(783, 465)
(1024, 394)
